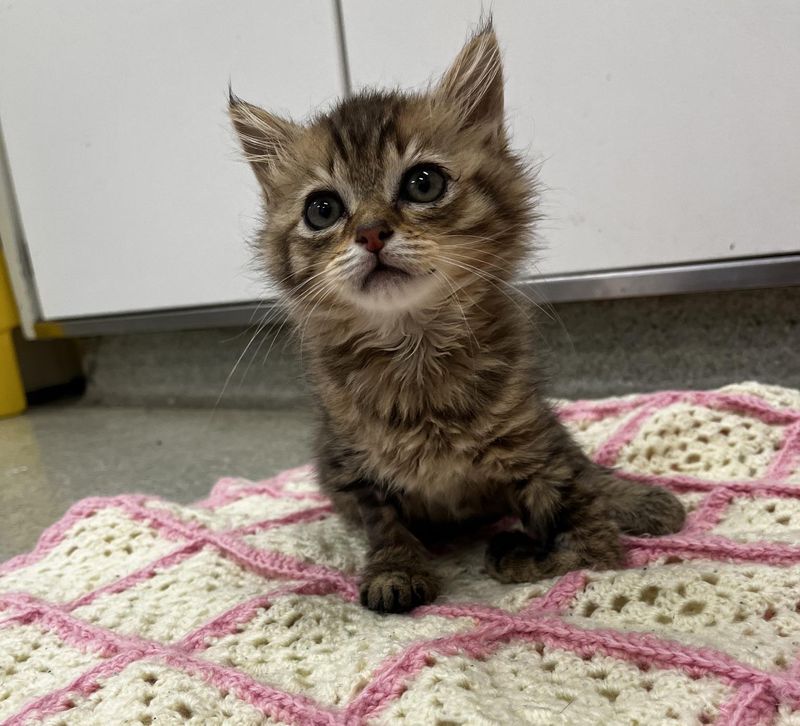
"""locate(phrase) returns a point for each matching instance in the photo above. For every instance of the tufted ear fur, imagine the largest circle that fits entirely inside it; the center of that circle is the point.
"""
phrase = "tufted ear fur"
(264, 137)
(474, 83)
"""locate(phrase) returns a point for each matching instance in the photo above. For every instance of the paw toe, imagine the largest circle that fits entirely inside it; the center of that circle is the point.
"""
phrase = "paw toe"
(397, 591)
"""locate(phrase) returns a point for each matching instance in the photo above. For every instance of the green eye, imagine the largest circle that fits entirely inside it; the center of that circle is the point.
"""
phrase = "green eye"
(423, 184)
(323, 209)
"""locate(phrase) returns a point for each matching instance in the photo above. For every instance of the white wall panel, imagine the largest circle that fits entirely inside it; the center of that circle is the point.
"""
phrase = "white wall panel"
(131, 192)
(668, 128)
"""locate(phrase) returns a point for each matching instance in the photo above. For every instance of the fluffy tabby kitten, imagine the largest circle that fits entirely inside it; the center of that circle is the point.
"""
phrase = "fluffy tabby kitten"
(394, 225)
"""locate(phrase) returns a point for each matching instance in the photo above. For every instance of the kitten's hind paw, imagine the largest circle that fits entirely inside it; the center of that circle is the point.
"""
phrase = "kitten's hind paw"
(515, 557)
(396, 590)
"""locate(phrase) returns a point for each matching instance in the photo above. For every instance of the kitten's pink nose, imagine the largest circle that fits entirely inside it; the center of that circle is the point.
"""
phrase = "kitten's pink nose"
(374, 235)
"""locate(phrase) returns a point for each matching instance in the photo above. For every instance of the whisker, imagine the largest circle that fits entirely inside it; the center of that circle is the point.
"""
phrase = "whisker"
(491, 279)
(544, 305)
(324, 292)
(470, 333)
(511, 287)
(261, 327)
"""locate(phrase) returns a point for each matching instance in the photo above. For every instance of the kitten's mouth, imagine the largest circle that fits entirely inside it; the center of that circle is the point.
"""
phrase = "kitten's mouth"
(382, 274)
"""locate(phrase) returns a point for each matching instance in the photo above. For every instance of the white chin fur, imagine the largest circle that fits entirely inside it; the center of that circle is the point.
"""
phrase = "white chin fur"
(400, 295)
(391, 294)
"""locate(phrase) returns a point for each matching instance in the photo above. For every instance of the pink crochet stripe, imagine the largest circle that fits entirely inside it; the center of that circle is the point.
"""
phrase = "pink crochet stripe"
(750, 705)
(559, 597)
(789, 455)
(244, 612)
(259, 490)
(607, 453)
(553, 602)
(263, 562)
(135, 506)
(476, 611)
(682, 483)
(710, 511)
(275, 564)
(84, 636)
(585, 410)
(83, 686)
(392, 679)
(145, 573)
(163, 563)
(229, 621)
(314, 514)
(285, 707)
(89, 638)
(162, 520)
(271, 564)
(746, 404)
(645, 550)
(230, 489)
(55, 534)
(741, 403)
(272, 702)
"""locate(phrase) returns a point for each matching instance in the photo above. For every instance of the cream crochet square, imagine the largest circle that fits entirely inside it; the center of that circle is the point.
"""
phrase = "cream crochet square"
(243, 608)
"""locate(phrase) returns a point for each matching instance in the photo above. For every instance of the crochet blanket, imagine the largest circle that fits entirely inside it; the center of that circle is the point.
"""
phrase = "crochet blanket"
(242, 609)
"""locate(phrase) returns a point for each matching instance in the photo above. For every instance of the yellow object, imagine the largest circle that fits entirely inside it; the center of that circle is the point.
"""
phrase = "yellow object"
(45, 330)
(12, 393)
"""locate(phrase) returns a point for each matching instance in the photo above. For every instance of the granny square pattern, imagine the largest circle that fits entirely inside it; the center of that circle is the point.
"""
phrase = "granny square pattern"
(243, 608)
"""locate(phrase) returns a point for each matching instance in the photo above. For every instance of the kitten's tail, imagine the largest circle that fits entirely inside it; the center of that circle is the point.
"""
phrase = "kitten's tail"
(641, 508)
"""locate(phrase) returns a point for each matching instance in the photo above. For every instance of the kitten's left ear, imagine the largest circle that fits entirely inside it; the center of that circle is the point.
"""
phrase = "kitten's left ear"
(474, 82)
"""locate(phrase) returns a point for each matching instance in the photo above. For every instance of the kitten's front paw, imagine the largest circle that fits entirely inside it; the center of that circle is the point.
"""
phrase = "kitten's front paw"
(395, 590)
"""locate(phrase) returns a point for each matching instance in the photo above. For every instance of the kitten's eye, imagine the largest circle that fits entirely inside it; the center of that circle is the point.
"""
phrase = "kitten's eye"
(323, 209)
(423, 184)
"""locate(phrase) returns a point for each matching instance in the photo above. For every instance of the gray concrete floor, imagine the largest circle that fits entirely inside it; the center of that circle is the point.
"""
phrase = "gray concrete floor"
(592, 349)
(56, 454)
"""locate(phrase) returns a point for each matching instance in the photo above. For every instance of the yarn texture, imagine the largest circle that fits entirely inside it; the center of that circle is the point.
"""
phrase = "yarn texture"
(243, 608)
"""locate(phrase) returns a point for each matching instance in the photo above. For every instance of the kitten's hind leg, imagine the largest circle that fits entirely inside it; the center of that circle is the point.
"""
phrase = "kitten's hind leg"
(640, 508)
(591, 543)
(577, 525)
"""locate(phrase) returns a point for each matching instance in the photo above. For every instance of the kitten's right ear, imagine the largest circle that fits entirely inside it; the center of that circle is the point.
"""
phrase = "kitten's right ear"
(264, 137)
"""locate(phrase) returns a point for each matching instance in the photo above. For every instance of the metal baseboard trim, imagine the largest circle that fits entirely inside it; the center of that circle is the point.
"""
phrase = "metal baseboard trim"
(742, 274)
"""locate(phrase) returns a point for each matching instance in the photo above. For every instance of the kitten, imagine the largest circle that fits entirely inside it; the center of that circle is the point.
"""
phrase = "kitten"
(394, 225)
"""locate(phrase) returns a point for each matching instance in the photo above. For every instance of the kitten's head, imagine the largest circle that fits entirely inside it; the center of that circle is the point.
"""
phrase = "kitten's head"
(392, 202)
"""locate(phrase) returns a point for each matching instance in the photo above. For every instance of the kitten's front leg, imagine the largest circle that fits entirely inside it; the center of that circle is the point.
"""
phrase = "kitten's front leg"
(397, 576)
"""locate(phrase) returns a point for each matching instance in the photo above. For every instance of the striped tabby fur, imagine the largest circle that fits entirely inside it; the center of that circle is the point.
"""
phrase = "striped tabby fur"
(432, 414)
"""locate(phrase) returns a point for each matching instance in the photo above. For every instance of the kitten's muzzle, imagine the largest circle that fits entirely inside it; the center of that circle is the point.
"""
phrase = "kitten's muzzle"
(374, 236)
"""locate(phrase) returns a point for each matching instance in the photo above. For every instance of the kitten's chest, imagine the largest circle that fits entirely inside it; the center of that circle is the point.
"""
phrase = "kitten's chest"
(423, 418)
(409, 417)
(431, 446)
